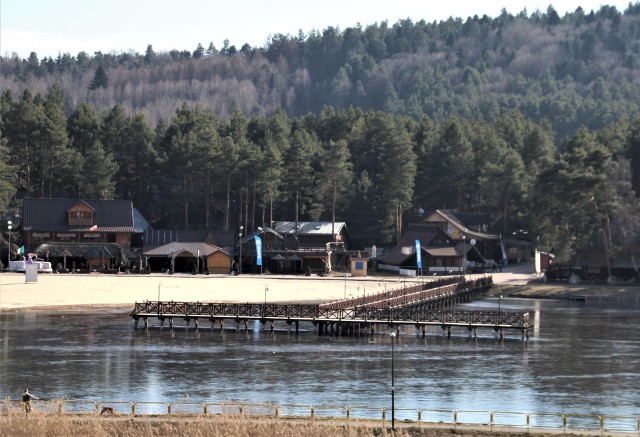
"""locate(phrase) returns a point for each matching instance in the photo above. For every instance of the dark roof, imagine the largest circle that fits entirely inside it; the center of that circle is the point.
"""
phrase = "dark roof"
(426, 233)
(50, 215)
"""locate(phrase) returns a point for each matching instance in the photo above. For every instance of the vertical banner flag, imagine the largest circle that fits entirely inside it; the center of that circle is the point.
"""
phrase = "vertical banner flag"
(258, 250)
(418, 254)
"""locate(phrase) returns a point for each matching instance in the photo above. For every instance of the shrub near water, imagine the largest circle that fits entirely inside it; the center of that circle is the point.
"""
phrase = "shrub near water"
(14, 423)
(99, 426)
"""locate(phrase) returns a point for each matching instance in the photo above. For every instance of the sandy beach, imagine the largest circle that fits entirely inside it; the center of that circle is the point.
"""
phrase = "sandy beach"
(69, 291)
(73, 290)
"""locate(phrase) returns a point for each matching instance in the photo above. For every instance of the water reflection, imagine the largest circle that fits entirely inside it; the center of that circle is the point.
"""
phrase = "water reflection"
(579, 360)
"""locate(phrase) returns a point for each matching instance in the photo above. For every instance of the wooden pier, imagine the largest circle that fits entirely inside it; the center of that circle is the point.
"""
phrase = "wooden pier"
(388, 309)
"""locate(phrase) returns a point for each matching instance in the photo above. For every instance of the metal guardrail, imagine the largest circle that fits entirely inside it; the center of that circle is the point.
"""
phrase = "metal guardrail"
(612, 300)
(404, 417)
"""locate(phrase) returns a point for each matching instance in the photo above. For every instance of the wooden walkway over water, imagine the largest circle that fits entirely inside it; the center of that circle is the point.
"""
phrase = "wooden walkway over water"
(421, 305)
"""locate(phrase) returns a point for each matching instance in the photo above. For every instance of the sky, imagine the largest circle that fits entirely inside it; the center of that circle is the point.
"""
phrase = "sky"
(53, 27)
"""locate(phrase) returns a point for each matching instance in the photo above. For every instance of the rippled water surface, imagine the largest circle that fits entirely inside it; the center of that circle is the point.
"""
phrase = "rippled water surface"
(579, 359)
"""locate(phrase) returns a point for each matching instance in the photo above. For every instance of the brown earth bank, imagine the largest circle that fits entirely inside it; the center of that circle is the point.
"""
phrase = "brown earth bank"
(563, 291)
(17, 425)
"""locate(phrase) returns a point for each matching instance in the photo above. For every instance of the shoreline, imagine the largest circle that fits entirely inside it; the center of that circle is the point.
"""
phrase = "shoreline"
(118, 293)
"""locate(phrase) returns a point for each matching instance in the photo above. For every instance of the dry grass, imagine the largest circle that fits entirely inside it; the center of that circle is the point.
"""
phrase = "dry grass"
(16, 423)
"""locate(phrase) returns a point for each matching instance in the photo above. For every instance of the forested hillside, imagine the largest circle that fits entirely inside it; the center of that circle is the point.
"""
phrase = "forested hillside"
(533, 118)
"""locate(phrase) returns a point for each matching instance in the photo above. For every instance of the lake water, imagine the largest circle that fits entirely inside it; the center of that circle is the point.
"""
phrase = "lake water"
(579, 359)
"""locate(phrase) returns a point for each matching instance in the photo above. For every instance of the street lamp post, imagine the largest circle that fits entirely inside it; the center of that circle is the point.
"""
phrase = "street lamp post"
(393, 383)
(240, 242)
(9, 227)
(464, 254)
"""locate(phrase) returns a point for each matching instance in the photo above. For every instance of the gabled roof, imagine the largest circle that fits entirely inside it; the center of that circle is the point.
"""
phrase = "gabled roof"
(455, 221)
(50, 215)
(179, 247)
(308, 228)
(428, 234)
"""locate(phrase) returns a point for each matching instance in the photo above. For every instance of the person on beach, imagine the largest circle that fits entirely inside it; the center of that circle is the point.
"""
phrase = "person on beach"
(26, 400)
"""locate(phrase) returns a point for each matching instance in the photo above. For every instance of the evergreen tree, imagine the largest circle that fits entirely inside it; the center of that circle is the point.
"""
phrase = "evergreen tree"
(99, 169)
(299, 179)
(25, 127)
(450, 169)
(58, 156)
(7, 174)
(100, 79)
(334, 180)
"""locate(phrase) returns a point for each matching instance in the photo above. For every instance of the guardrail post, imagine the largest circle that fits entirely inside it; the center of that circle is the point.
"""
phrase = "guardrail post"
(204, 409)
(601, 418)
(564, 422)
(528, 421)
(169, 409)
(455, 418)
(491, 420)
(384, 416)
(133, 408)
(275, 410)
(419, 418)
(60, 408)
(348, 410)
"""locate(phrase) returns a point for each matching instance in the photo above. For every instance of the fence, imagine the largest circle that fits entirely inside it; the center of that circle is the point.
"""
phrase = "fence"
(404, 417)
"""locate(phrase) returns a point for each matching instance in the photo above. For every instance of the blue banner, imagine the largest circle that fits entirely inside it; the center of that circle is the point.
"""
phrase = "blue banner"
(418, 254)
(258, 250)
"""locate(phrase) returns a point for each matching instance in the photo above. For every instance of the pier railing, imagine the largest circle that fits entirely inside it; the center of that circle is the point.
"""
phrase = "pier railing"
(416, 305)
(375, 416)
(314, 313)
(416, 293)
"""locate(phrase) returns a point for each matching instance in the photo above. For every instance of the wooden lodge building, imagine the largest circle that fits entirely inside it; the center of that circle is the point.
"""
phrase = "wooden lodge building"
(297, 247)
(188, 251)
(441, 254)
(452, 242)
(82, 233)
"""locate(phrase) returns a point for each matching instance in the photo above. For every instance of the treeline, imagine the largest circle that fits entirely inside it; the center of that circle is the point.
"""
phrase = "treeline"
(581, 69)
(372, 169)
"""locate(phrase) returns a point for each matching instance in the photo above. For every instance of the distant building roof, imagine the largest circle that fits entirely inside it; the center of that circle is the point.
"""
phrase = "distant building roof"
(308, 228)
(50, 215)
(179, 247)
(454, 218)
(427, 234)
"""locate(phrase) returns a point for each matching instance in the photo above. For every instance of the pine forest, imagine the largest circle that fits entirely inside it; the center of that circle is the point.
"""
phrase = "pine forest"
(533, 118)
